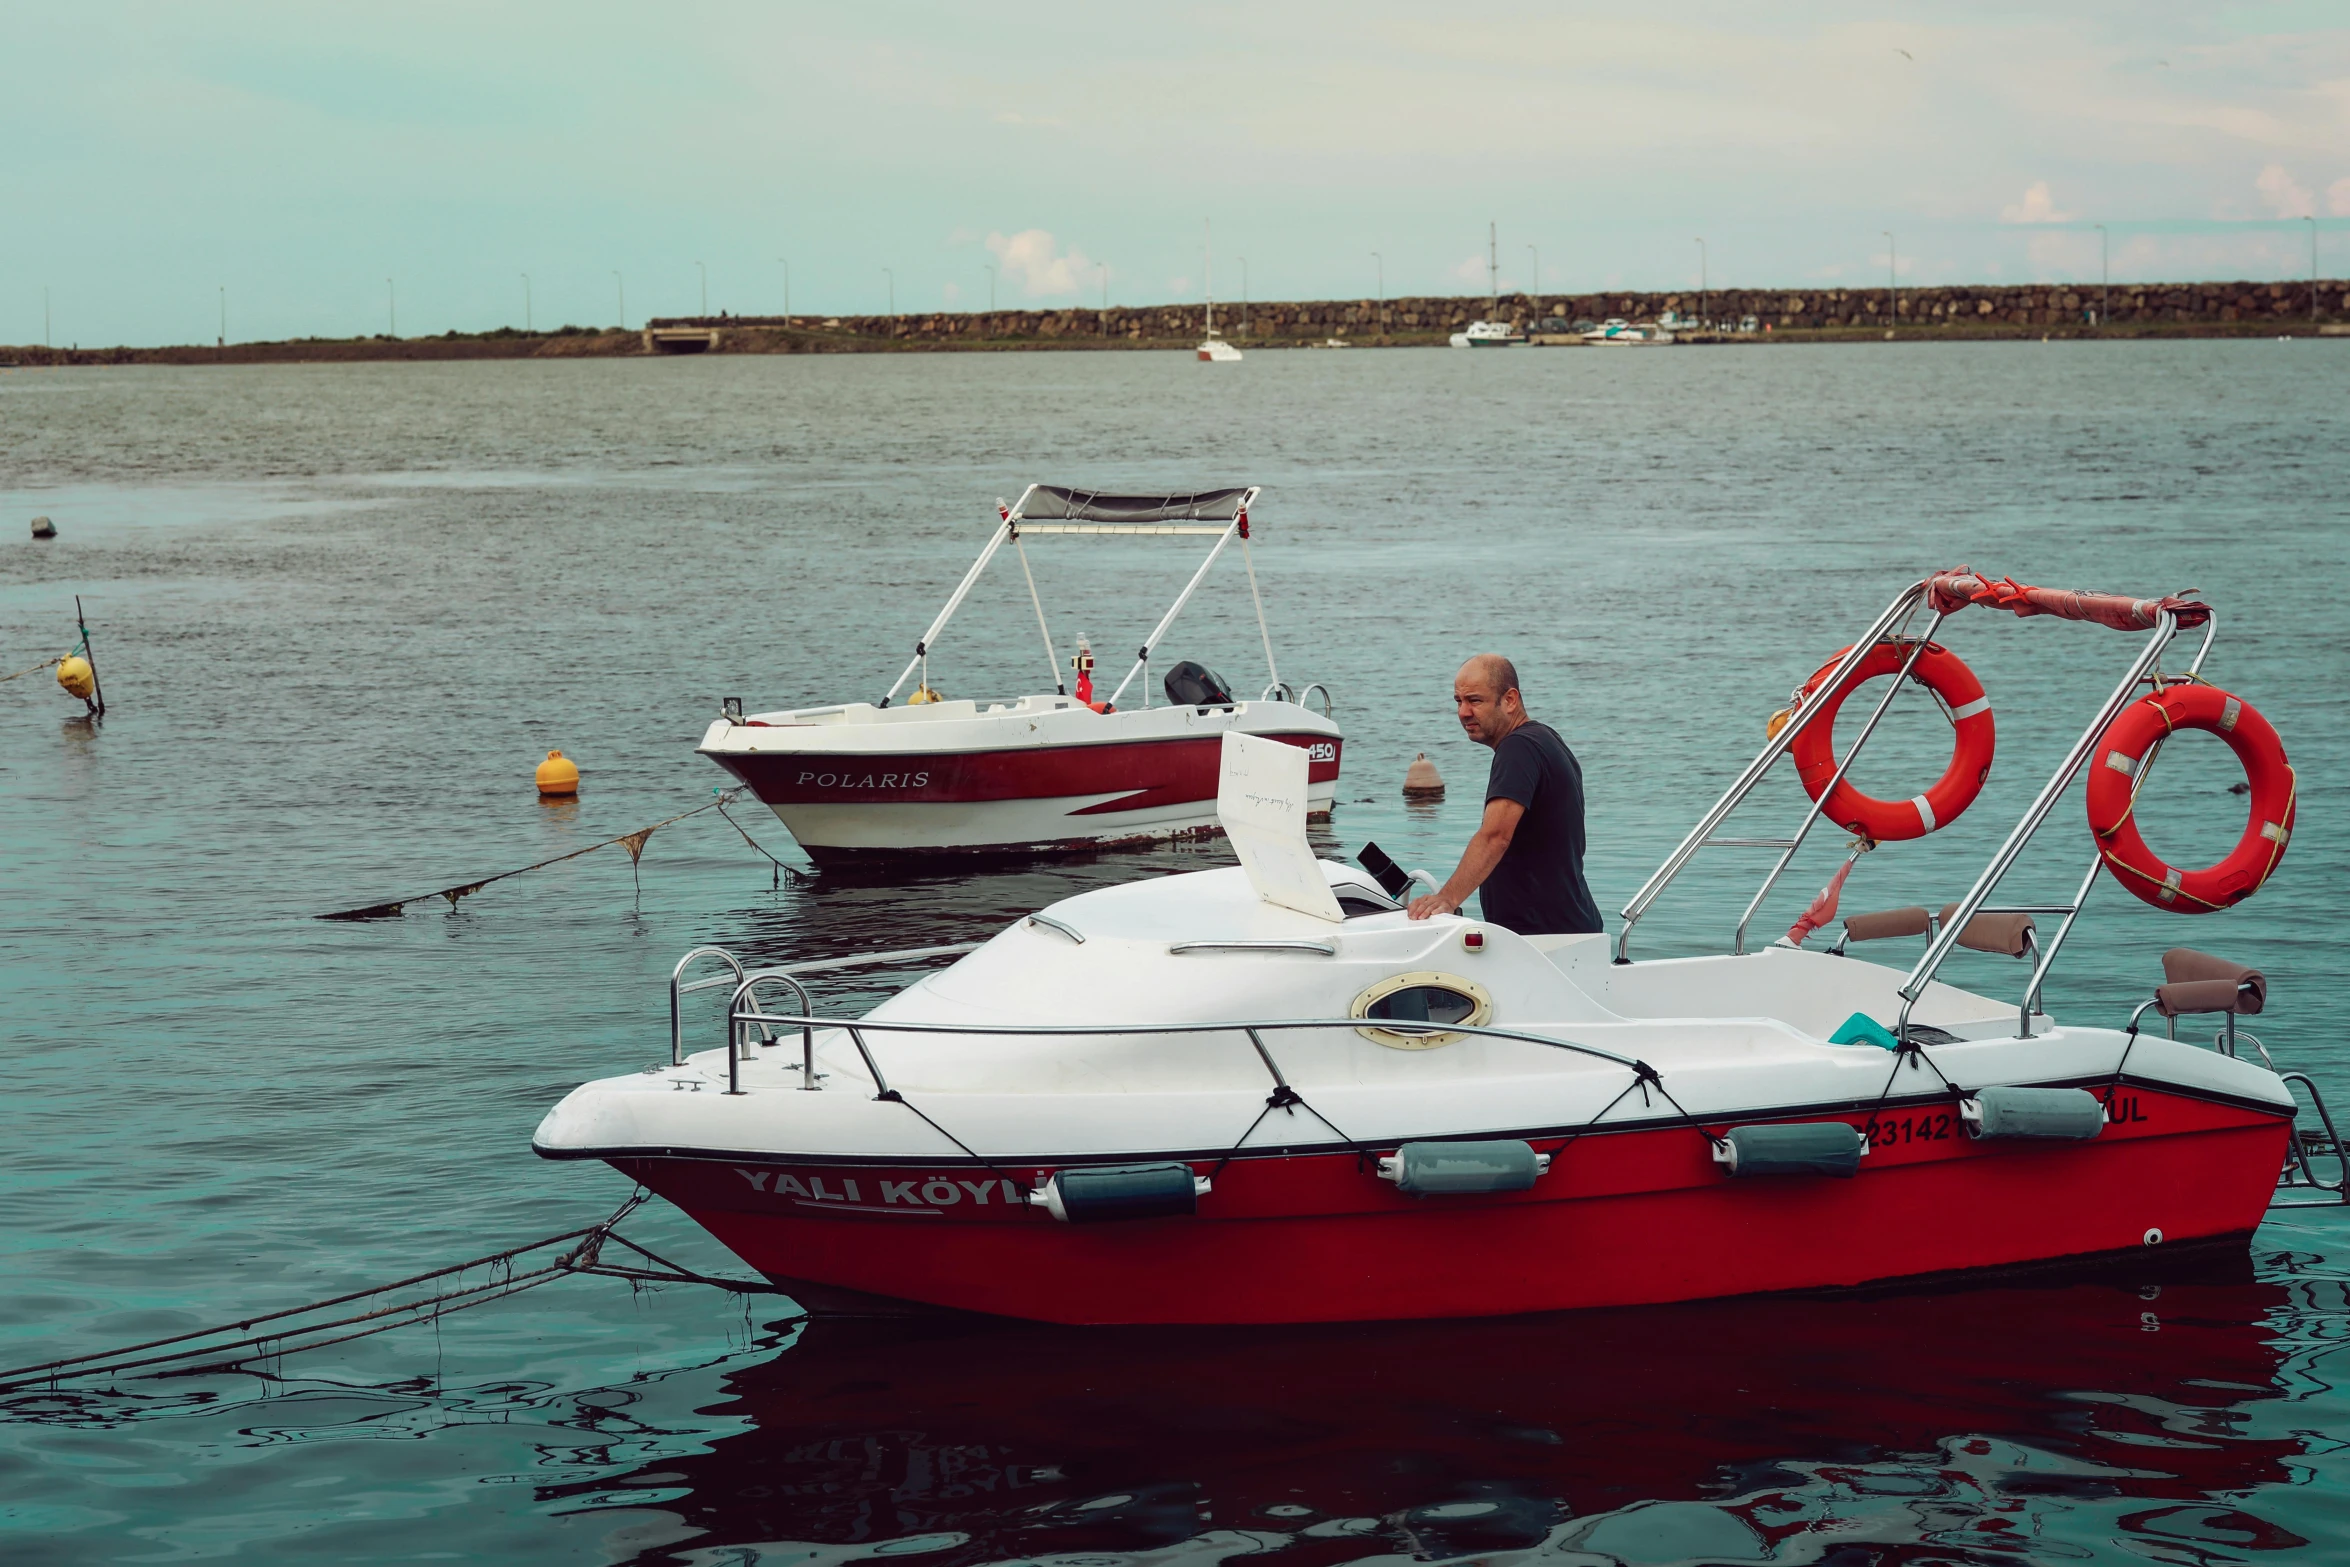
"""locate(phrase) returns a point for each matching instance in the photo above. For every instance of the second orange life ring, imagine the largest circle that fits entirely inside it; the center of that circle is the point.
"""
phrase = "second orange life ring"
(2119, 761)
(1973, 741)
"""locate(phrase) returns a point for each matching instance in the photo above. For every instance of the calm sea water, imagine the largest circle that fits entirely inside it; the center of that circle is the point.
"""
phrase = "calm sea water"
(341, 612)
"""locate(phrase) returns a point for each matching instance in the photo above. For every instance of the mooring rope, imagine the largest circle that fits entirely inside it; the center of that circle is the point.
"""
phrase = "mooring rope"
(47, 663)
(780, 868)
(633, 842)
(215, 1349)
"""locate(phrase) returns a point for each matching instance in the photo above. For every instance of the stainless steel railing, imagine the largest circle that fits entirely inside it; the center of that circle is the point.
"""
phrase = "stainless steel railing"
(2166, 628)
(1892, 624)
(1895, 615)
(856, 1030)
(746, 983)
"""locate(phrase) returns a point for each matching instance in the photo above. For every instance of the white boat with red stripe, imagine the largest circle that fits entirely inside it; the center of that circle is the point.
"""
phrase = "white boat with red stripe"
(1041, 773)
(1266, 1094)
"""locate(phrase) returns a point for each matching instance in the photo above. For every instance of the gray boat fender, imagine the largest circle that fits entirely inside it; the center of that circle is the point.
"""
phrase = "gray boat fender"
(2061, 1114)
(1792, 1148)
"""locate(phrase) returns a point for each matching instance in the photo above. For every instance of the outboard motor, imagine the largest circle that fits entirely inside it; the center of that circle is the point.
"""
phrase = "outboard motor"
(1196, 685)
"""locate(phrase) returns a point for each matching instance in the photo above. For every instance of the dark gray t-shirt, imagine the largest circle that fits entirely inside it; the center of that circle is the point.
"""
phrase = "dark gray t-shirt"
(1538, 888)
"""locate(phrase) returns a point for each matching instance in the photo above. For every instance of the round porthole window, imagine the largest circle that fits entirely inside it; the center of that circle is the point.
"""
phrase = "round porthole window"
(1421, 998)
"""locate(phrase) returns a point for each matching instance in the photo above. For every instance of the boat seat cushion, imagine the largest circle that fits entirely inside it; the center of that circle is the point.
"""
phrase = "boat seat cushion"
(2199, 982)
(1912, 921)
(2009, 935)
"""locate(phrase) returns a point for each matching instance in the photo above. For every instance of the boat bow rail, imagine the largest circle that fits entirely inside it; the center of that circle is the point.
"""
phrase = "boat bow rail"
(745, 1018)
(741, 1022)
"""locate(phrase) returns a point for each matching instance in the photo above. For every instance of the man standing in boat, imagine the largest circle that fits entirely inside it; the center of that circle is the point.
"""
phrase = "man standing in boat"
(1527, 854)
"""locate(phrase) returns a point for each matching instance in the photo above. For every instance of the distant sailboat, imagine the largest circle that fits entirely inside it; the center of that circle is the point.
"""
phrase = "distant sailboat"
(1213, 349)
(1491, 332)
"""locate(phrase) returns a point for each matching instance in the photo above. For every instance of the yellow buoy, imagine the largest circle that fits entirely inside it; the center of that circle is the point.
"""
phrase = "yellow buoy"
(923, 694)
(77, 677)
(558, 774)
(1778, 721)
(1421, 781)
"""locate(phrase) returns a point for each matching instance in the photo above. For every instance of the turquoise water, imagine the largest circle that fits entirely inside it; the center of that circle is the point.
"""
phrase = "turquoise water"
(342, 611)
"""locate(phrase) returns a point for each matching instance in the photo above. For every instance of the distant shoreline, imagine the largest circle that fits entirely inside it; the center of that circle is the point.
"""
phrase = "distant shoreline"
(1957, 314)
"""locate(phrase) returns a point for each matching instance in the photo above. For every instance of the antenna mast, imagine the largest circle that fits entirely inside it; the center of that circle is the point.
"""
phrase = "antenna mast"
(1208, 231)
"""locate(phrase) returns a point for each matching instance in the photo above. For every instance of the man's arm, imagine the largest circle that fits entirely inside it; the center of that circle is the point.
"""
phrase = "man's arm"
(1477, 861)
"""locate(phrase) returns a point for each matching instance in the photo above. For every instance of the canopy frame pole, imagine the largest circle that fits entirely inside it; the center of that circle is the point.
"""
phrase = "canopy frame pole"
(2055, 943)
(1894, 613)
(1142, 659)
(920, 660)
(1811, 818)
(1052, 657)
(2166, 626)
(1249, 558)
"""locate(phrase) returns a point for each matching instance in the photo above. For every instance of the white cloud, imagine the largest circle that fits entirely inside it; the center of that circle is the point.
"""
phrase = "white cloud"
(1030, 259)
(2286, 196)
(1471, 270)
(2338, 198)
(2038, 206)
(952, 293)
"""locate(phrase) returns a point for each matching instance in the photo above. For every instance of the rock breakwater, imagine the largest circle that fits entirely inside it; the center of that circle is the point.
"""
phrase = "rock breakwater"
(1959, 312)
(2165, 309)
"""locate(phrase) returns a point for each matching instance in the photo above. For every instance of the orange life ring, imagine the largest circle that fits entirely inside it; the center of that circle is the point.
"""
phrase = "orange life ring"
(2119, 760)
(1973, 741)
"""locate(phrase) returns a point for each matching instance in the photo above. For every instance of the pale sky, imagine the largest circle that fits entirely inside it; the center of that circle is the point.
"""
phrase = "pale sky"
(299, 154)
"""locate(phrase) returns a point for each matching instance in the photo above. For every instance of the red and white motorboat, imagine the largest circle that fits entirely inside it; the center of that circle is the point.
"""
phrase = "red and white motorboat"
(1036, 773)
(1264, 1094)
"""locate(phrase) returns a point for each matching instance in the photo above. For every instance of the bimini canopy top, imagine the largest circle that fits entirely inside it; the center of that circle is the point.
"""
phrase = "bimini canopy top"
(1222, 513)
(1057, 503)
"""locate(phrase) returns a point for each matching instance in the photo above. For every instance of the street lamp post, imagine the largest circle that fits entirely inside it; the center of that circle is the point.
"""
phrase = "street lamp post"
(2104, 282)
(620, 292)
(990, 289)
(526, 324)
(786, 264)
(391, 309)
(1380, 262)
(45, 343)
(2312, 272)
(1537, 255)
(893, 292)
(224, 315)
(1244, 295)
(1892, 280)
(705, 271)
(1702, 300)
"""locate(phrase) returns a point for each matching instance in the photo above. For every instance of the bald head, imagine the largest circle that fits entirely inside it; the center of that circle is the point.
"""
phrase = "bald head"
(1485, 695)
(1494, 672)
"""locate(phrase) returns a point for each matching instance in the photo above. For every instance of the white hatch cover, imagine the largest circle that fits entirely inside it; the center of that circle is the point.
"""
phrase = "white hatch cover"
(1261, 800)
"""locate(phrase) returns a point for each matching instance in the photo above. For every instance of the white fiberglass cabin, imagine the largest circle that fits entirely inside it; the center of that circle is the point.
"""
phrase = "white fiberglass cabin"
(1040, 773)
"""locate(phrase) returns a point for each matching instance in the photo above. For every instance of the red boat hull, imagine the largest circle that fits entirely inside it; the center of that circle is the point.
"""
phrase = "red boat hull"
(1626, 1218)
(1009, 799)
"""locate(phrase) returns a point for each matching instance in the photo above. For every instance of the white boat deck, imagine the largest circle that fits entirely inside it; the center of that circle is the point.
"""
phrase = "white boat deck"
(1728, 1037)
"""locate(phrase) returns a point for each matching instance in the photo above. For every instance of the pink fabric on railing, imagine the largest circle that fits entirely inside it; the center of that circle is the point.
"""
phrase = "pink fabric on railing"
(1823, 907)
(1954, 590)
